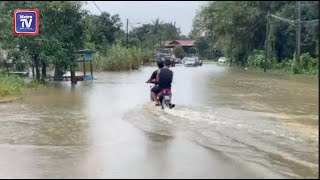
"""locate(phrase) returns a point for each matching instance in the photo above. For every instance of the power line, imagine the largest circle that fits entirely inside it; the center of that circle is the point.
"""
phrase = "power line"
(97, 6)
(311, 21)
(291, 22)
(283, 19)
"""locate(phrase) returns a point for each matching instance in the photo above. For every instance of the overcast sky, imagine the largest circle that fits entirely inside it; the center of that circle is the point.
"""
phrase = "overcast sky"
(181, 12)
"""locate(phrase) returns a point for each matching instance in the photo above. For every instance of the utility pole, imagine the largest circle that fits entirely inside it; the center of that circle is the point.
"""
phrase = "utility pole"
(211, 50)
(298, 33)
(127, 34)
(297, 23)
(266, 43)
(160, 45)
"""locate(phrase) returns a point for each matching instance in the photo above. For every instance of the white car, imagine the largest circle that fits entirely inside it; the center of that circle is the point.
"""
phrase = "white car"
(184, 60)
(178, 61)
(222, 60)
(190, 62)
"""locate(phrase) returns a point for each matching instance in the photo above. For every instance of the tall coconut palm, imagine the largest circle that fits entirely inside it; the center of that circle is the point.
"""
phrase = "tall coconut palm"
(157, 28)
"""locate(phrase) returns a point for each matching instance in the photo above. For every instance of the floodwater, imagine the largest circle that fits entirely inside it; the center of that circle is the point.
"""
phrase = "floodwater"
(227, 123)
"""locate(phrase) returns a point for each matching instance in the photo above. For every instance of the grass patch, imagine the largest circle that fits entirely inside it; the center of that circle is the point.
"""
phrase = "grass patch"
(12, 86)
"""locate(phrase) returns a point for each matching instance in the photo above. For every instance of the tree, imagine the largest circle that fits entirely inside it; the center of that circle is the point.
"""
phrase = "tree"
(238, 28)
(59, 37)
(132, 42)
(197, 28)
(183, 37)
(179, 52)
(202, 44)
(156, 26)
(150, 34)
(105, 29)
(170, 31)
(141, 32)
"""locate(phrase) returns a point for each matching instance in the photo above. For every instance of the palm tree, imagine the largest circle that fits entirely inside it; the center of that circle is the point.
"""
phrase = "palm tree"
(157, 28)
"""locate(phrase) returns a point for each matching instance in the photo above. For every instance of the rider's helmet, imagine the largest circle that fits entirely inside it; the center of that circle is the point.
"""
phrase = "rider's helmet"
(167, 62)
(160, 64)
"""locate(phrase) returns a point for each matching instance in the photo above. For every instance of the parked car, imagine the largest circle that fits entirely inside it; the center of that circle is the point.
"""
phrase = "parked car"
(184, 60)
(222, 60)
(190, 62)
(178, 61)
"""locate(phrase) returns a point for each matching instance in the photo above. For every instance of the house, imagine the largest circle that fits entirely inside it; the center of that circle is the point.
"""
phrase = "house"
(187, 45)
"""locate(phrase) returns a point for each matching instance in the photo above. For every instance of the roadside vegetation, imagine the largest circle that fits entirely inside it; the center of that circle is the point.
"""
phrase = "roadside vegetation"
(119, 58)
(14, 86)
(237, 30)
(61, 37)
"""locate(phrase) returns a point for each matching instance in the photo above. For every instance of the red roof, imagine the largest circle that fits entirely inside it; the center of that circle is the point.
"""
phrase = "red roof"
(187, 42)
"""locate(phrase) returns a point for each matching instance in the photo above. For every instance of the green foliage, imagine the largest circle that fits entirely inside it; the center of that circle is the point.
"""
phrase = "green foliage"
(59, 36)
(202, 44)
(237, 28)
(285, 65)
(256, 59)
(102, 30)
(11, 85)
(179, 52)
(308, 64)
(150, 34)
(119, 58)
(132, 42)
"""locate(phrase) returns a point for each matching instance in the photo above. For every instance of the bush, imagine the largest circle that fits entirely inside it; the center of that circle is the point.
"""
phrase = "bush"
(14, 85)
(257, 59)
(119, 58)
(308, 64)
(285, 65)
(179, 52)
(11, 84)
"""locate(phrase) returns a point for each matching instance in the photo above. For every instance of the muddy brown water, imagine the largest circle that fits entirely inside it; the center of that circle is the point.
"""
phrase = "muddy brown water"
(227, 123)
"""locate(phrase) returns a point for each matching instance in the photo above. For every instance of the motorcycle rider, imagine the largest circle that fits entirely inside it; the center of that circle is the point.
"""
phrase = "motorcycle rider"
(153, 79)
(164, 79)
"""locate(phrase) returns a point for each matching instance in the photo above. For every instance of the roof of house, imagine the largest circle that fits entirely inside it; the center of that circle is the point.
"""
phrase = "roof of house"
(187, 42)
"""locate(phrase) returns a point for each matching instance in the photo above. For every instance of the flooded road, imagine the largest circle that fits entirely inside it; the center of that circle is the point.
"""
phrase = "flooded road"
(227, 123)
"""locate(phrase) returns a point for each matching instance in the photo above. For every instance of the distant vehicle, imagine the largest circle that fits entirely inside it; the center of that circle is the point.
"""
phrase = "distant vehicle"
(184, 59)
(159, 56)
(178, 61)
(170, 57)
(190, 62)
(198, 61)
(222, 60)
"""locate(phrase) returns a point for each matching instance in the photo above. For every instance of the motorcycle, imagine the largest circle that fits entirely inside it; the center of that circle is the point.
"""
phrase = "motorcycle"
(164, 98)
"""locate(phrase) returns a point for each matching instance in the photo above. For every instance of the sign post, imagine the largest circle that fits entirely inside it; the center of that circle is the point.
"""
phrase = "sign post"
(26, 22)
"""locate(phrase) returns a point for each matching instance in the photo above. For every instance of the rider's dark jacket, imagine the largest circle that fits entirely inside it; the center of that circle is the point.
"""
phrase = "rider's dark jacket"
(165, 78)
